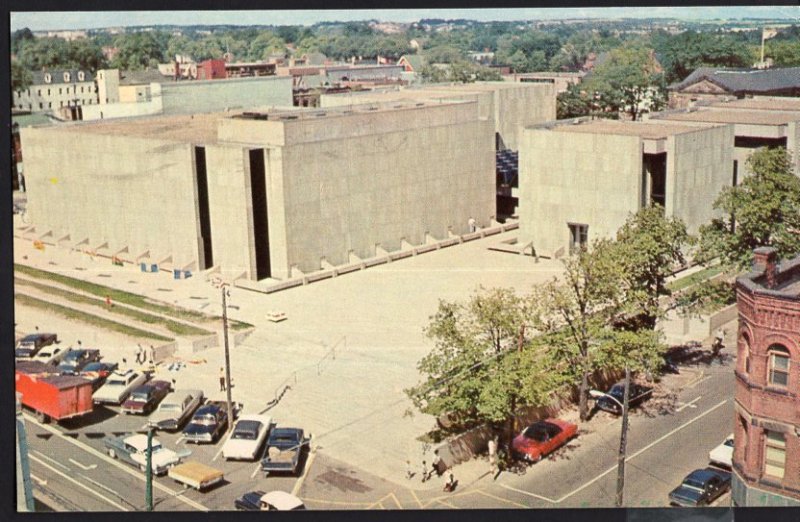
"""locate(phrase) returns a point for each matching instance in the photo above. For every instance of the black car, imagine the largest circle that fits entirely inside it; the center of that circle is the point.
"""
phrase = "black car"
(250, 501)
(208, 423)
(30, 345)
(97, 372)
(701, 487)
(637, 394)
(76, 360)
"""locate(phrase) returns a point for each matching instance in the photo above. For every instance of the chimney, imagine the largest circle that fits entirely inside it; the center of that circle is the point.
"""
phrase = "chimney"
(764, 261)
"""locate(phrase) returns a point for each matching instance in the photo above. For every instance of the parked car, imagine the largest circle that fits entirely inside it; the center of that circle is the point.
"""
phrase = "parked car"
(637, 394)
(208, 423)
(247, 437)
(50, 355)
(97, 372)
(75, 360)
(176, 408)
(146, 397)
(541, 438)
(196, 475)
(132, 448)
(30, 345)
(118, 386)
(722, 455)
(284, 448)
(701, 487)
(272, 501)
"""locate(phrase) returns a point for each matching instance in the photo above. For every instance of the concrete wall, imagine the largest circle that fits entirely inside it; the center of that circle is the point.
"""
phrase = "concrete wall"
(108, 86)
(594, 179)
(216, 95)
(699, 164)
(134, 93)
(120, 110)
(110, 188)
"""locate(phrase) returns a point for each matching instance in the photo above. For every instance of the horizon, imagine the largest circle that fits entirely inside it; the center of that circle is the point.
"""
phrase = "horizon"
(72, 20)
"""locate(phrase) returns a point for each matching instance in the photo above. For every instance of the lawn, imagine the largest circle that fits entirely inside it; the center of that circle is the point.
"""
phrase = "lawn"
(692, 279)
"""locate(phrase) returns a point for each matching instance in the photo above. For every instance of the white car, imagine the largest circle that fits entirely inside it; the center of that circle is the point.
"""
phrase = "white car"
(51, 355)
(133, 449)
(247, 437)
(722, 455)
(118, 386)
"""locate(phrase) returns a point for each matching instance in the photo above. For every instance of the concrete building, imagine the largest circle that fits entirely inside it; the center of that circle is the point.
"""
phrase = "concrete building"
(757, 122)
(263, 194)
(766, 457)
(717, 83)
(562, 80)
(51, 90)
(580, 179)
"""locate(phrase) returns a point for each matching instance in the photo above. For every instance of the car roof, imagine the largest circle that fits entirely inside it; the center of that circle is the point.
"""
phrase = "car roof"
(208, 408)
(139, 441)
(285, 431)
(264, 419)
(282, 500)
(701, 474)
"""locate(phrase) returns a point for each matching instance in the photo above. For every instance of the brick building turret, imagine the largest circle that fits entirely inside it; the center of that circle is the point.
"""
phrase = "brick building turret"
(766, 458)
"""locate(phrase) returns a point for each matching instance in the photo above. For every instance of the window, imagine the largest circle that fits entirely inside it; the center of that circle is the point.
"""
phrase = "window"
(578, 236)
(744, 351)
(40, 105)
(59, 91)
(48, 78)
(778, 365)
(81, 88)
(81, 77)
(774, 454)
(66, 76)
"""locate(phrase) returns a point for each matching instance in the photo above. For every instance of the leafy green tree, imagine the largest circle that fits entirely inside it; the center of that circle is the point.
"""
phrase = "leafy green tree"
(444, 54)
(44, 53)
(783, 53)
(685, 52)
(20, 77)
(576, 311)
(265, 44)
(573, 103)
(650, 248)
(629, 81)
(139, 51)
(763, 210)
(20, 38)
(85, 54)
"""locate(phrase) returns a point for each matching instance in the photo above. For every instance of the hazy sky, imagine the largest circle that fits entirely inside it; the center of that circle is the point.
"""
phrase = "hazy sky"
(85, 20)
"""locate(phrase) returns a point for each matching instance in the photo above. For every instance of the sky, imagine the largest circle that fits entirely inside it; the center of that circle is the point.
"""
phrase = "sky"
(43, 21)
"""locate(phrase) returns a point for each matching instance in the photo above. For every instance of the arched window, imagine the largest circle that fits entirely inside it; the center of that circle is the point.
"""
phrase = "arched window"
(66, 77)
(744, 351)
(778, 365)
(81, 76)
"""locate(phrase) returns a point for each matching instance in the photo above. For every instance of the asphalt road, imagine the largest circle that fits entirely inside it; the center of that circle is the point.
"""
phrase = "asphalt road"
(71, 470)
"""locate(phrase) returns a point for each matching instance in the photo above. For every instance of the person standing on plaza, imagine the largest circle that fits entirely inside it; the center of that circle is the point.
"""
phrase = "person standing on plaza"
(493, 456)
(222, 379)
(409, 470)
(152, 354)
(426, 472)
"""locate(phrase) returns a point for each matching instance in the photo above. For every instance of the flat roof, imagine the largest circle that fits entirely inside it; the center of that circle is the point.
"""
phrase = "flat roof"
(768, 104)
(720, 115)
(183, 127)
(650, 131)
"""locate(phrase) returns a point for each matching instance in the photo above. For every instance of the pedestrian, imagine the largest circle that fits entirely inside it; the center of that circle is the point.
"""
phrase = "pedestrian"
(426, 472)
(222, 379)
(80, 345)
(152, 354)
(493, 456)
(139, 351)
(449, 482)
(438, 464)
(409, 470)
(108, 301)
(472, 224)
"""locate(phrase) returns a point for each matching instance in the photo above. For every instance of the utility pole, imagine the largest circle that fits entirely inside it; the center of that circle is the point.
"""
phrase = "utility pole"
(227, 357)
(623, 439)
(148, 491)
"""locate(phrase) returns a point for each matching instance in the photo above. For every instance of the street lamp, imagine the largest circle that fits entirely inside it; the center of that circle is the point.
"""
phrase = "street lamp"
(623, 437)
(226, 292)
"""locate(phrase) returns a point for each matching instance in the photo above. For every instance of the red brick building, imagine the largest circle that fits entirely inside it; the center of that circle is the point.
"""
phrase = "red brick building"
(211, 70)
(766, 457)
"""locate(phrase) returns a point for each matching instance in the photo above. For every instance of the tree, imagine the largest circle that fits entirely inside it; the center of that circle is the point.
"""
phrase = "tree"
(764, 210)
(650, 247)
(576, 312)
(685, 52)
(21, 78)
(139, 51)
(783, 53)
(21, 38)
(572, 103)
(629, 81)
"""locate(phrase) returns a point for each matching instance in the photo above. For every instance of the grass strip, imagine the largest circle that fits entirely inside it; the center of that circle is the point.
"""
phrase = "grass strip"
(692, 279)
(93, 320)
(121, 296)
(172, 326)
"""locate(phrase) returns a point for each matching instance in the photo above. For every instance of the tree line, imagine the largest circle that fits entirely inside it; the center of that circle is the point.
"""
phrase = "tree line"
(500, 351)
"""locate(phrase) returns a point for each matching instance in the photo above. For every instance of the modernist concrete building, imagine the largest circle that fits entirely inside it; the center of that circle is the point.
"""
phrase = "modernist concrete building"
(766, 457)
(263, 194)
(757, 122)
(51, 90)
(581, 179)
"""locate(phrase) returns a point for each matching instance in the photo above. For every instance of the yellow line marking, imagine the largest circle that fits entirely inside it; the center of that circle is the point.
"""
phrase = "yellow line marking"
(83, 486)
(399, 505)
(448, 504)
(338, 503)
(416, 498)
(534, 495)
(299, 483)
(502, 499)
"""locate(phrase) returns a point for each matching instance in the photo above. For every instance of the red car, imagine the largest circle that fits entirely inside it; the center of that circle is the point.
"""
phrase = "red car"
(146, 397)
(542, 438)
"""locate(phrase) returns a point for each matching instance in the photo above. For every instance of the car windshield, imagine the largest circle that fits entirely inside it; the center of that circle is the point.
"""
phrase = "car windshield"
(247, 430)
(139, 396)
(170, 407)
(93, 367)
(156, 447)
(536, 432)
(694, 483)
(729, 443)
(116, 382)
(23, 352)
(206, 420)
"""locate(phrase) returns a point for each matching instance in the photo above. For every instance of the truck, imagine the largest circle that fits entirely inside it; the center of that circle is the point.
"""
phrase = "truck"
(284, 447)
(196, 475)
(51, 395)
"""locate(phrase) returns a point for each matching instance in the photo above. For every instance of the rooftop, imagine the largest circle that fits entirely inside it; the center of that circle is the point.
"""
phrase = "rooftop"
(195, 128)
(650, 131)
(787, 280)
(744, 80)
(720, 115)
(769, 104)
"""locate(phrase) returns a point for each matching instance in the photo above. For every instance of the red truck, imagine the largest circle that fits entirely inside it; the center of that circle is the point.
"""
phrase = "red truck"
(50, 395)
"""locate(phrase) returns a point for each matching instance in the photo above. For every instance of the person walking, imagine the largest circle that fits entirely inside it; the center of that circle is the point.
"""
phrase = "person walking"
(426, 472)
(139, 354)
(409, 470)
(438, 464)
(449, 482)
(152, 354)
(222, 379)
(493, 456)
